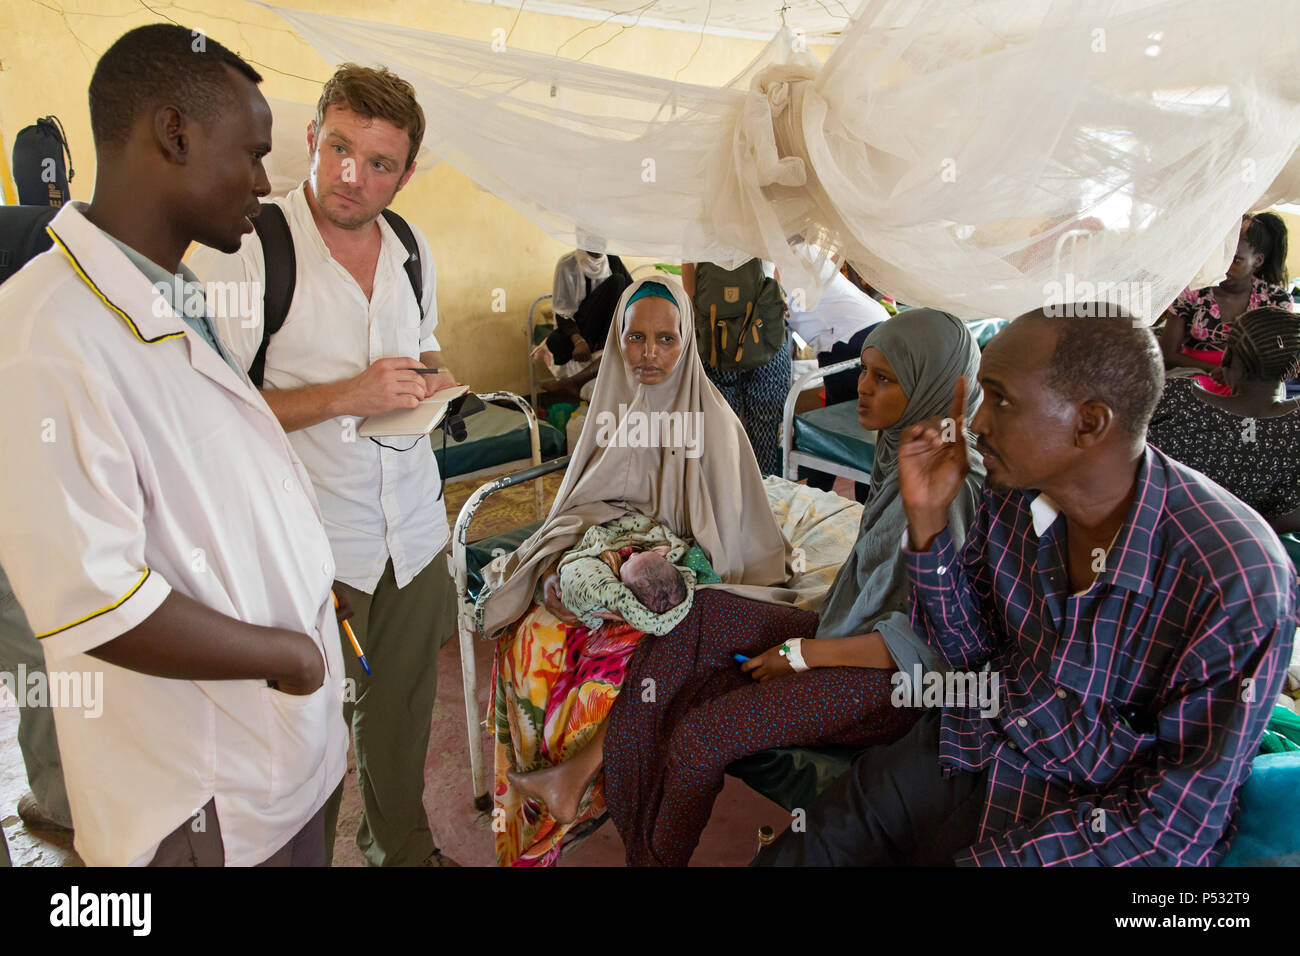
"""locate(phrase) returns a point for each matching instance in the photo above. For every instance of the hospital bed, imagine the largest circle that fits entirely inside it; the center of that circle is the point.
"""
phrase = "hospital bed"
(504, 436)
(829, 439)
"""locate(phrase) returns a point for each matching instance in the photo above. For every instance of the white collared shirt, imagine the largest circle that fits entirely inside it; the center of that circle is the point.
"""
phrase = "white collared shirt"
(842, 311)
(141, 463)
(376, 502)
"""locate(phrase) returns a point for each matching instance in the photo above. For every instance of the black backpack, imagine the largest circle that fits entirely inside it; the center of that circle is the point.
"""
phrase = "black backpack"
(282, 273)
(23, 235)
(42, 163)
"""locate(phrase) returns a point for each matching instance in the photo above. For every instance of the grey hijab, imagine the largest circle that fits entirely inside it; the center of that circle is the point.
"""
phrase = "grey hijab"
(929, 351)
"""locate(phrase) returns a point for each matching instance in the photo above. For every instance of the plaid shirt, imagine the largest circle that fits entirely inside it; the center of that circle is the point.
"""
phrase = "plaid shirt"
(1128, 714)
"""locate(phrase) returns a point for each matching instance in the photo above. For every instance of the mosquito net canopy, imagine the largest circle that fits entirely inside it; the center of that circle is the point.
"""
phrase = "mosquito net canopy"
(981, 158)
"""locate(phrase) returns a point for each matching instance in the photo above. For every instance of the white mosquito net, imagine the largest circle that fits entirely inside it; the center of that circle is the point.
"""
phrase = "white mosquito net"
(982, 158)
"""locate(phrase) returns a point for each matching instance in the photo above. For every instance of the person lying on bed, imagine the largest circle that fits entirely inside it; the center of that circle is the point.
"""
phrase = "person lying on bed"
(1139, 616)
(828, 686)
(554, 682)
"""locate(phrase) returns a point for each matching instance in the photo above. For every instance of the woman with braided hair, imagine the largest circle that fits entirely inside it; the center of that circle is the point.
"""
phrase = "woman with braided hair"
(1196, 325)
(1244, 441)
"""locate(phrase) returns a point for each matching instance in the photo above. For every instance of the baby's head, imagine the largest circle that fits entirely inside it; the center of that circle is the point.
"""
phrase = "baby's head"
(653, 580)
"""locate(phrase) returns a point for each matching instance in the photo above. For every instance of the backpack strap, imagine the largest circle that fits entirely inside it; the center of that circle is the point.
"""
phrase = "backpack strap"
(281, 274)
(740, 338)
(713, 335)
(413, 270)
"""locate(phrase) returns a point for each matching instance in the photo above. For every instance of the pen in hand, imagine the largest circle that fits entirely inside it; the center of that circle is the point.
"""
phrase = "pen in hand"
(347, 629)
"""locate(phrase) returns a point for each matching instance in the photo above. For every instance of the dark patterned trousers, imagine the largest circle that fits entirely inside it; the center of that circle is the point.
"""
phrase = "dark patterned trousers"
(757, 396)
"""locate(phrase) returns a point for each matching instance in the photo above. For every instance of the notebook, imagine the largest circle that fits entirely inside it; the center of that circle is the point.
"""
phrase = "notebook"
(420, 420)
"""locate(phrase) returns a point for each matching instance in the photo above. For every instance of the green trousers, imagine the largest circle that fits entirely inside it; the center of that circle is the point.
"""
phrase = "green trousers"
(36, 737)
(401, 631)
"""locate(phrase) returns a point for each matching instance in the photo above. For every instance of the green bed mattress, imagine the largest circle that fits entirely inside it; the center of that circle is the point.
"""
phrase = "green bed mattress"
(833, 432)
(496, 435)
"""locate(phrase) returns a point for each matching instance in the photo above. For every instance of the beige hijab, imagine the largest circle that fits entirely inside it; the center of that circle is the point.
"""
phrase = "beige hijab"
(716, 498)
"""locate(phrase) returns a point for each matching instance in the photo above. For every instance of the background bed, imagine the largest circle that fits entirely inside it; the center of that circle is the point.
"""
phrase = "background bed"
(829, 439)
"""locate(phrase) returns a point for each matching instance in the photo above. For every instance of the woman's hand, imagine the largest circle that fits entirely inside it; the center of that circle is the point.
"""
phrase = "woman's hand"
(771, 663)
(552, 600)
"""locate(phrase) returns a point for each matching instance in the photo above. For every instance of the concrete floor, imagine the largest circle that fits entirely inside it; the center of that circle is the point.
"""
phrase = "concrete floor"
(460, 831)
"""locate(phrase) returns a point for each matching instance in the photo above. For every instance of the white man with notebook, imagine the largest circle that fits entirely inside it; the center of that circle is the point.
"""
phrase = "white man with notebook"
(356, 341)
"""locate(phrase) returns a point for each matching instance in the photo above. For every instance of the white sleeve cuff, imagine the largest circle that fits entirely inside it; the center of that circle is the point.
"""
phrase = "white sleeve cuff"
(111, 622)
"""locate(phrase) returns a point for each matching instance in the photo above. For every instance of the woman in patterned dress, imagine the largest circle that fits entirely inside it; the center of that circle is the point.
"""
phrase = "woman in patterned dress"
(554, 680)
(1197, 324)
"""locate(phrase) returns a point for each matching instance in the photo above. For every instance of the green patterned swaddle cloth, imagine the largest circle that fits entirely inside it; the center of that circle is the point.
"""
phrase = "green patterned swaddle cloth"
(588, 585)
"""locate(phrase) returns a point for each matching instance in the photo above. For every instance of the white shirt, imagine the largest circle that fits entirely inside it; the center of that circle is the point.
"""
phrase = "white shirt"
(842, 311)
(377, 502)
(147, 465)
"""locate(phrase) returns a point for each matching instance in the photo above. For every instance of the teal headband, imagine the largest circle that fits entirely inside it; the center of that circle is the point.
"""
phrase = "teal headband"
(651, 289)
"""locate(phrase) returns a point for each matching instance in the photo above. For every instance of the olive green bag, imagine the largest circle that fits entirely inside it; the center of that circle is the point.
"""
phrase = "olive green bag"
(740, 316)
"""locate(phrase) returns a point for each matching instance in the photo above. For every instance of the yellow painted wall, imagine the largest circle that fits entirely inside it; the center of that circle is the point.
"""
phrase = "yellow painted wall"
(478, 242)
(1292, 221)
(48, 50)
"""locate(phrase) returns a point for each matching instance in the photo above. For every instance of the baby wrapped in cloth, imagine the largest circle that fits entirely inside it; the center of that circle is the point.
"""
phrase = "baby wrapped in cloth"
(627, 567)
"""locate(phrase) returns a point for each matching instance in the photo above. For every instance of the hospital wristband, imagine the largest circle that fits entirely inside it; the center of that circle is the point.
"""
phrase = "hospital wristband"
(792, 651)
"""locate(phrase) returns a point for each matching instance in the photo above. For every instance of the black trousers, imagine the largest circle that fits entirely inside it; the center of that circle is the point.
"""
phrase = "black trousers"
(894, 807)
(591, 321)
(197, 842)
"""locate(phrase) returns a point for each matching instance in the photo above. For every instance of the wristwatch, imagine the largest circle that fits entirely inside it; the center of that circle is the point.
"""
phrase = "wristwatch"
(792, 651)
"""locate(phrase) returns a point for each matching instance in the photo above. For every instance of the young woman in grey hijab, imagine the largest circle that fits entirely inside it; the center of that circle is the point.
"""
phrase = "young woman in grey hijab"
(927, 351)
(663, 776)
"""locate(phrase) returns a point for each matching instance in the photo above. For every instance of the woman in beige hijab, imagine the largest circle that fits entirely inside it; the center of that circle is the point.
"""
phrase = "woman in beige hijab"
(660, 441)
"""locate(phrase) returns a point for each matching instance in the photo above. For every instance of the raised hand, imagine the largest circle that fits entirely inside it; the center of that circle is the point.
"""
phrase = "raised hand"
(932, 465)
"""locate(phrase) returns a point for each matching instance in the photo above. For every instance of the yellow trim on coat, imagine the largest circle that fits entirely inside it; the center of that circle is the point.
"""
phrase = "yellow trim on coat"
(103, 610)
(103, 298)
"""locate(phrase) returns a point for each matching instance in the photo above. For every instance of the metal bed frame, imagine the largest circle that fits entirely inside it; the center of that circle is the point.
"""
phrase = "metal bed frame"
(532, 363)
(465, 611)
(792, 458)
(534, 440)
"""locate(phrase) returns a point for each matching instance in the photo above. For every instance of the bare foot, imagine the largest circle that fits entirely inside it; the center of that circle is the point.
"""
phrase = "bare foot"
(558, 787)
